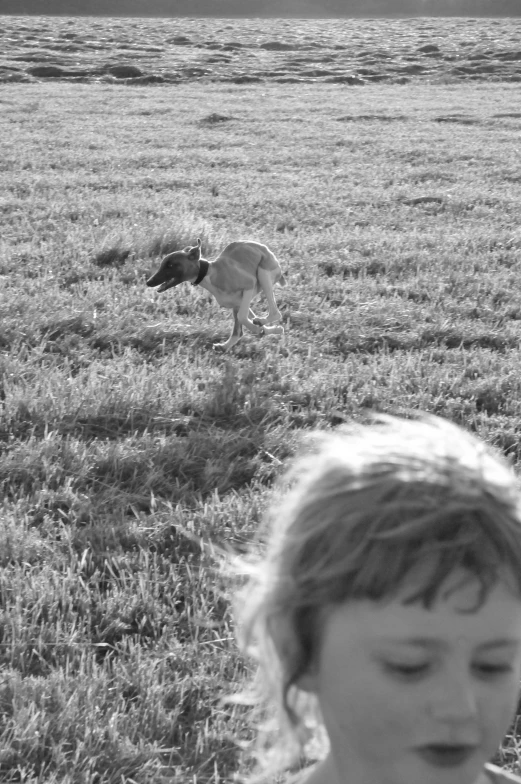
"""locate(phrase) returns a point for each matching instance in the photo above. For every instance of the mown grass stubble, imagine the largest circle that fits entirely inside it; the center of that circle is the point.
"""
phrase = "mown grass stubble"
(124, 439)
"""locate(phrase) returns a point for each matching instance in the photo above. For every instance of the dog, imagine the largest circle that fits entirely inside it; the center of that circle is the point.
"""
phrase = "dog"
(241, 271)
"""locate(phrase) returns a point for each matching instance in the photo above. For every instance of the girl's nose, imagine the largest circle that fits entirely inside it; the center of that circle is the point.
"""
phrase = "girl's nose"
(454, 700)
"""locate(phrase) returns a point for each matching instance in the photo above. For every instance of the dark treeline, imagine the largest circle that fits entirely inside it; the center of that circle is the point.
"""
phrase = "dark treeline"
(265, 8)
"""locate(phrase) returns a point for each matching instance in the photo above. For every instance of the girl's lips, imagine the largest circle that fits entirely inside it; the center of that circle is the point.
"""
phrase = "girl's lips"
(445, 755)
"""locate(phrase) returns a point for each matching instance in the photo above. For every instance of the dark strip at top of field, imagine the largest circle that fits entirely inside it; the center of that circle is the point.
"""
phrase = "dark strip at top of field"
(348, 51)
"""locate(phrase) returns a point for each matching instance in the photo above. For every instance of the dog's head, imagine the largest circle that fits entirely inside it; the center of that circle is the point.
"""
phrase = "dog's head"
(177, 267)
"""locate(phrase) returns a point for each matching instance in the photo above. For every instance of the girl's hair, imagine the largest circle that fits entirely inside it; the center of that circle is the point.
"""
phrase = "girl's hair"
(366, 509)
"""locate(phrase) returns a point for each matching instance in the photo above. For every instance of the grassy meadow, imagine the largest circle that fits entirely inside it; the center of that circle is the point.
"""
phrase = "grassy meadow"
(130, 450)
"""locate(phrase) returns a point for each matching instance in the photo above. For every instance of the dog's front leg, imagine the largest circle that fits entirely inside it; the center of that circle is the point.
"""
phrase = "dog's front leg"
(254, 326)
(257, 319)
(260, 320)
(236, 333)
(245, 312)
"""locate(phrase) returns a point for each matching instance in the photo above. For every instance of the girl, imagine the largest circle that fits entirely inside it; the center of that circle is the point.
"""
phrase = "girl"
(385, 613)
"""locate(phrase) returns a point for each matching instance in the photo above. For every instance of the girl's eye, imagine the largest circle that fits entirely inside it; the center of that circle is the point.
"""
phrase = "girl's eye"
(492, 670)
(407, 670)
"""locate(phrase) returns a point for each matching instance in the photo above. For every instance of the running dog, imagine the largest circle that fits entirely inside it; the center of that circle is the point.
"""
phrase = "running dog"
(242, 270)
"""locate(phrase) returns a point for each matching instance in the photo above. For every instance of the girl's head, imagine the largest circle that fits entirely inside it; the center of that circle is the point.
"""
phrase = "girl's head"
(400, 520)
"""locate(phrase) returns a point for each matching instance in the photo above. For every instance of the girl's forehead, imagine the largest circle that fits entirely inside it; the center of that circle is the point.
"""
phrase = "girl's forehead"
(457, 616)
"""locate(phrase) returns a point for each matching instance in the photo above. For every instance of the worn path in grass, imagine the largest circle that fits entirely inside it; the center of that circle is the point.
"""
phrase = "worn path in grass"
(353, 52)
(125, 440)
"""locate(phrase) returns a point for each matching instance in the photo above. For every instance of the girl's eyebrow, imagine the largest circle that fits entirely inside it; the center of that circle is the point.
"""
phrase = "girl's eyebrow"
(506, 642)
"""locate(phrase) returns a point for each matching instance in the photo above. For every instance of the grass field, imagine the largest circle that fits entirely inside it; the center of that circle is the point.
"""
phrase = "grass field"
(129, 449)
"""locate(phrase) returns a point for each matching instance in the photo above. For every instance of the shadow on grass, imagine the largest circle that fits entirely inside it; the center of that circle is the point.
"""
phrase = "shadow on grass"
(124, 477)
(125, 457)
(79, 338)
(448, 338)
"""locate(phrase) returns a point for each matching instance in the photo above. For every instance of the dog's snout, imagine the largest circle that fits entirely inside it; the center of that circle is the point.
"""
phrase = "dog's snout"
(157, 278)
(166, 274)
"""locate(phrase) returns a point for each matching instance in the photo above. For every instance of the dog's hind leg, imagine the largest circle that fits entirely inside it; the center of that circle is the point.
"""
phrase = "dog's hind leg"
(266, 284)
(236, 333)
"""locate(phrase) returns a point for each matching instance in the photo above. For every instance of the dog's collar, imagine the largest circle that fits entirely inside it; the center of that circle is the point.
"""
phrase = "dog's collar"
(203, 269)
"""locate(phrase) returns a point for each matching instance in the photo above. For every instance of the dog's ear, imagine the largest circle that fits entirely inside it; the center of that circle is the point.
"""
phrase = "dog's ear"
(195, 252)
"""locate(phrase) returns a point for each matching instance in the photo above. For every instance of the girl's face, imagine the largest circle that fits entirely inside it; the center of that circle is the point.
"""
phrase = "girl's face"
(412, 695)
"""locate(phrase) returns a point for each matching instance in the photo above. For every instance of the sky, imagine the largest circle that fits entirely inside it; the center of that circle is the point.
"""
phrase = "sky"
(273, 8)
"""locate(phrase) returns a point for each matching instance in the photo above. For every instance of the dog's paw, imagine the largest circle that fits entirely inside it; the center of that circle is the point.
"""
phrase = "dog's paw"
(277, 329)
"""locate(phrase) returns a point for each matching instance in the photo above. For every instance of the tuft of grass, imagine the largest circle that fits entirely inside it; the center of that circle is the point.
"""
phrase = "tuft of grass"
(167, 242)
(113, 256)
